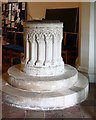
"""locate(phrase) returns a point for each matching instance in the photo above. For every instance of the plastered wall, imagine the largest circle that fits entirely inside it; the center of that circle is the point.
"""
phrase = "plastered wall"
(95, 37)
(36, 10)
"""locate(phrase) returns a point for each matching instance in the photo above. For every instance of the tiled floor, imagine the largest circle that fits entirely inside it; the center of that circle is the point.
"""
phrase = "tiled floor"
(86, 109)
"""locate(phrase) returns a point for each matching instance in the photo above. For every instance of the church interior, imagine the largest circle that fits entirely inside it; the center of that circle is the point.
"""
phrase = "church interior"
(77, 48)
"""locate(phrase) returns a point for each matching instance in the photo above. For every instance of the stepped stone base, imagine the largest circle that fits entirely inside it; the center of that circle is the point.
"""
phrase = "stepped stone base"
(50, 99)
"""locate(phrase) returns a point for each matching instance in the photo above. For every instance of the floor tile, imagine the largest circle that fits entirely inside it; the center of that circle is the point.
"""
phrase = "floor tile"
(54, 114)
(91, 95)
(88, 103)
(72, 112)
(12, 112)
(0, 110)
(88, 111)
(34, 114)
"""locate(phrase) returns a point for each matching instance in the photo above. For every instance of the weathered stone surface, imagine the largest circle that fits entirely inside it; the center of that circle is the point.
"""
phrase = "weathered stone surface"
(43, 81)
(59, 99)
(19, 79)
(43, 49)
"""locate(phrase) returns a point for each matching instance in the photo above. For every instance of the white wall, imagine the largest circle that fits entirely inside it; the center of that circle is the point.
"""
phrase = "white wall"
(91, 39)
(95, 37)
(84, 43)
(37, 9)
(87, 51)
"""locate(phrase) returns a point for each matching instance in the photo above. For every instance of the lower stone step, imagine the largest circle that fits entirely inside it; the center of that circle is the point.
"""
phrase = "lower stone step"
(58, 99)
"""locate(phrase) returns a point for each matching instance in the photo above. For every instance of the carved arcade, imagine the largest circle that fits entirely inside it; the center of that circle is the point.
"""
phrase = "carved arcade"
(43, 48)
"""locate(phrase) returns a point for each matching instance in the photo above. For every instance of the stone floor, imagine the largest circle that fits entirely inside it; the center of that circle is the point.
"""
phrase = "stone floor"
(86, 109)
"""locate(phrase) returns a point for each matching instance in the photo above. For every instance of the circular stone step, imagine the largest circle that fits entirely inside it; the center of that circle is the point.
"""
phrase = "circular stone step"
(21, 80)
(58, 99)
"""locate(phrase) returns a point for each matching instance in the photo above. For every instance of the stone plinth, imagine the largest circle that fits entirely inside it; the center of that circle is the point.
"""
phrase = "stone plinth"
(43, 81)
(46, 100)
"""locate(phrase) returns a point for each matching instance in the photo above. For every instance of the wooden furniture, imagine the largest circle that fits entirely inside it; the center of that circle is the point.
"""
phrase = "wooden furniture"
(70, 18)
(14, 48)
(6, 46)
(70, 47)
(18, 47)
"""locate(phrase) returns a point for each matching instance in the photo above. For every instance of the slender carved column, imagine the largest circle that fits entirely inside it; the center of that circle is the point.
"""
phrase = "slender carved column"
(32, 51)
(40, 50)
(59, 44)
(48, 49)
(27, 49)
(55, 48)
(35, 50)
(59, 59)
